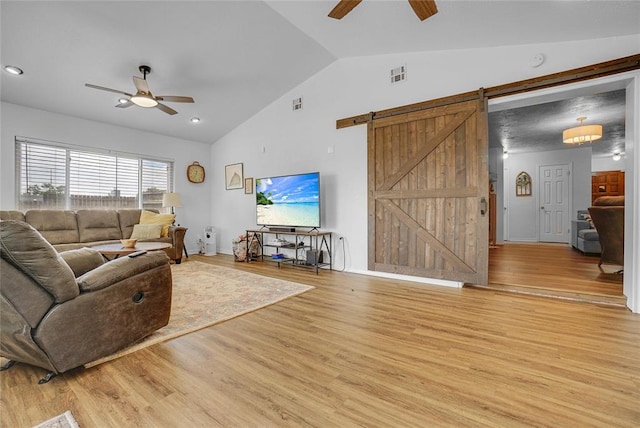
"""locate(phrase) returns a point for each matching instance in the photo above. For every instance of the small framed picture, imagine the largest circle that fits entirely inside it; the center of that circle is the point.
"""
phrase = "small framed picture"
(248, 185)
(233, 176)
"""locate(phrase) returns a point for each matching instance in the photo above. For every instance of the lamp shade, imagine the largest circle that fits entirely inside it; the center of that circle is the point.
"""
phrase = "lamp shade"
(582, 134)
(171, 200)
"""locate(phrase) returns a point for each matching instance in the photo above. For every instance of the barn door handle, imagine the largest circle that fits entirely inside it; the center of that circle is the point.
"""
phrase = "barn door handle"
(483, 206)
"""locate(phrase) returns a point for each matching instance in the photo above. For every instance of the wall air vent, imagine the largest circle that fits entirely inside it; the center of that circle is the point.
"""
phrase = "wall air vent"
(398, 74)
(297, 104)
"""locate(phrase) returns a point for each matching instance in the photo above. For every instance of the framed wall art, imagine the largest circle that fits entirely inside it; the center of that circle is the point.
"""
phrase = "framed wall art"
(523, 184)
(248, 185)
(233, 176)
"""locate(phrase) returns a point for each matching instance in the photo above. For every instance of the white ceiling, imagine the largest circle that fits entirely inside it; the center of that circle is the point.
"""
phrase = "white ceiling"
(236, 57)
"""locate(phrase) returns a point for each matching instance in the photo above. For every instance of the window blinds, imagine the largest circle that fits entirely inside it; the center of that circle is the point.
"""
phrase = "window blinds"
(54, 176)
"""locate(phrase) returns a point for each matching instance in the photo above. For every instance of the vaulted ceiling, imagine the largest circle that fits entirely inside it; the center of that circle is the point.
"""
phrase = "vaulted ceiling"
(236, 57)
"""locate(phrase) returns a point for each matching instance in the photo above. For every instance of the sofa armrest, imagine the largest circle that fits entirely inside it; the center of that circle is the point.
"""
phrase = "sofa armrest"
(582, 224)
(120, 269)
(177, 233)
(82, 260)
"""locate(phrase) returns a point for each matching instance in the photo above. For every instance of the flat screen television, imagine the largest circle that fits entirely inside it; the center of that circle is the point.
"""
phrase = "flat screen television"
(288, 200)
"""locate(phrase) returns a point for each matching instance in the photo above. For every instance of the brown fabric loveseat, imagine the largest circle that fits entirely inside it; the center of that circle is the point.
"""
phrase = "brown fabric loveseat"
(69, 230)
(59, 311)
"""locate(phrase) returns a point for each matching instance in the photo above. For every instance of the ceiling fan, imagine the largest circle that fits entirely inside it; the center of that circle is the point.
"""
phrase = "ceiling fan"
(143, 97)
(423, 8)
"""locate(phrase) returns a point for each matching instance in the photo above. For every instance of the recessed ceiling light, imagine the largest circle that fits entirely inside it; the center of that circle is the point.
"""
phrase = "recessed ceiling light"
(12, 69)
(617, 156)
(194, 119)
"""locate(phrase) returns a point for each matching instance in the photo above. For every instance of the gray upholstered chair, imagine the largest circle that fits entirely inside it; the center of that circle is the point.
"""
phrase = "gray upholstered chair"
(607, 214)
(59, 311)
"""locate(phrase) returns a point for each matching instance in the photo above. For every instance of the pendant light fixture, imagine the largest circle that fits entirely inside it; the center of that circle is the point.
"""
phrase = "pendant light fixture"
(582, 133)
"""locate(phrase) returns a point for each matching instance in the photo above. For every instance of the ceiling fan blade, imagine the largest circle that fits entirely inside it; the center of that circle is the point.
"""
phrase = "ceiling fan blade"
(342, 8)
(424, 8)
(141, 84)
(166, 109)
(102, 88)
(174, 99)
(124, 105)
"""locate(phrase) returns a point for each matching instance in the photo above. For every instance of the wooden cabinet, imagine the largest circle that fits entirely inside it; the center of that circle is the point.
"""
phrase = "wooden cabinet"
(607, 183)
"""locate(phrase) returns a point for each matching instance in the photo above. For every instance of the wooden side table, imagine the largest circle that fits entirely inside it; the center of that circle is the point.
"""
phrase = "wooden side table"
(113, 251)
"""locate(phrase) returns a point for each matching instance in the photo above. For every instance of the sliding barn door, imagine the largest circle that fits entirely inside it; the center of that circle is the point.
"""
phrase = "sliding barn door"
(428, 192)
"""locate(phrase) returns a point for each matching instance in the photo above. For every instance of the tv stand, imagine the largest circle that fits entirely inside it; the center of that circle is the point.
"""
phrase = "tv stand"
(310, 249)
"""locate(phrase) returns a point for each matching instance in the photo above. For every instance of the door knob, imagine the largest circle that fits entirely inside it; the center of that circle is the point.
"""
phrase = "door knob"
(542, 207)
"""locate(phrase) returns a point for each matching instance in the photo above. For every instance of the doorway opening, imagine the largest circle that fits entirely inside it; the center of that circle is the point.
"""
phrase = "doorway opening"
(544, 261)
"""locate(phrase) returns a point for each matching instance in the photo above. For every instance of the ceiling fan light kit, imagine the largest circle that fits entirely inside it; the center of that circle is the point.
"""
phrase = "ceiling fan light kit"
(143, 100)
(143, 96)
(582, 134)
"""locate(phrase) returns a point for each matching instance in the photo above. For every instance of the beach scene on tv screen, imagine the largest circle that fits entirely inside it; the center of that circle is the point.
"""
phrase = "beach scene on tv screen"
(292, 200)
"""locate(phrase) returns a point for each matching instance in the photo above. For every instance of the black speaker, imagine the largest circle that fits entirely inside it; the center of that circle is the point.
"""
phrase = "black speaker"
(314, 257)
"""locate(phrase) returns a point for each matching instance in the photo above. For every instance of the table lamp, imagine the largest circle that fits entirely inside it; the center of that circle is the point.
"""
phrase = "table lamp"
(171, 200)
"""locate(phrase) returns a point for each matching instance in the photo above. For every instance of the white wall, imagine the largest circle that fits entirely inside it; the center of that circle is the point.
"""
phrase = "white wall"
(606, 163)
(299, 141)
(524, 211)
(496, 174)
(631, 284)
(27, 122)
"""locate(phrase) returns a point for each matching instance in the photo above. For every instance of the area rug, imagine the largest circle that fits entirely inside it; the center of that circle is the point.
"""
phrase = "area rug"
(65, 420)
(204, 295)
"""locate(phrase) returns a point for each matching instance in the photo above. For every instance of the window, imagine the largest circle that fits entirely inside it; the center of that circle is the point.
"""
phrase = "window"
(55, 176)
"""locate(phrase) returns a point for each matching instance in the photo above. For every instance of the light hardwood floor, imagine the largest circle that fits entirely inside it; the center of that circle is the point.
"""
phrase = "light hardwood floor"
(362, 351)
(554, 270)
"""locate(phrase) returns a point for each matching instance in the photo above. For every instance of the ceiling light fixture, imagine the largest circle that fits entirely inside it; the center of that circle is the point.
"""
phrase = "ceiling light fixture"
(617, 156)
(144, 100)
(123, 100)
(505, 155)
(12, 69)
(194, 120)
(582, 133)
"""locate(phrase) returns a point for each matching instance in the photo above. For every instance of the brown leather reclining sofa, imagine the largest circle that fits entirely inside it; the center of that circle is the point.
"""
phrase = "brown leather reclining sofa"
(62, 310)
(69, 230)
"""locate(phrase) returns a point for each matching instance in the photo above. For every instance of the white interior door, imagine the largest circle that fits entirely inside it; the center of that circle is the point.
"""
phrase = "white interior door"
(554, 203)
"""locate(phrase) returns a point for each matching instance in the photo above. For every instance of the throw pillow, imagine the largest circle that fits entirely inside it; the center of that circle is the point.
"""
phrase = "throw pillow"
(146, 231)
(166, 220)
(588, 219)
